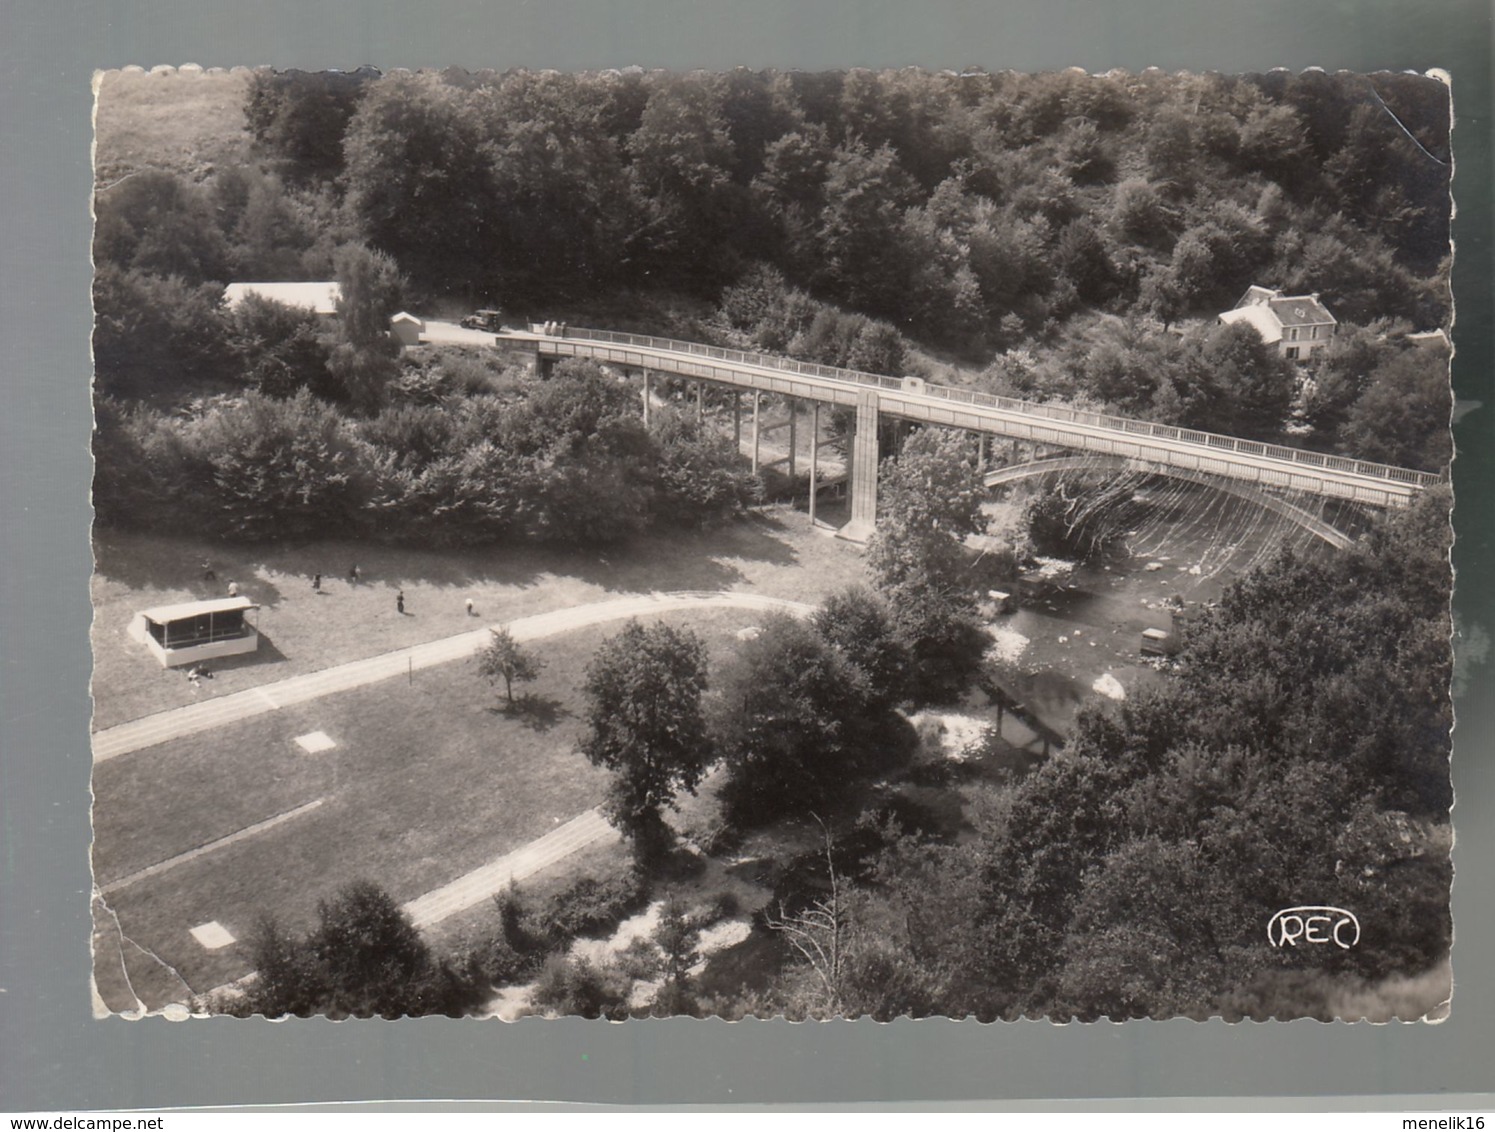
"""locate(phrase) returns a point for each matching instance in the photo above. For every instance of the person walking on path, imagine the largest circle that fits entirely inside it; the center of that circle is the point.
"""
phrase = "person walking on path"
(400, 603)
(470, 611)
(233, 589)
(353, 574)
(208, 573)
(316, 582)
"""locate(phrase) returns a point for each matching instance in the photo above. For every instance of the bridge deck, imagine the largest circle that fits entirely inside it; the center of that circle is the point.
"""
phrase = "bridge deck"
(1267, 465)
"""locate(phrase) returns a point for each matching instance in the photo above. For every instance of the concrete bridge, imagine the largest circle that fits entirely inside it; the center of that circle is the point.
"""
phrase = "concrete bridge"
(1166, 449)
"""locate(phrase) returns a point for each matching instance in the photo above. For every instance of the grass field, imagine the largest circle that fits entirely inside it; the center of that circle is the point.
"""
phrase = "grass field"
(428, 781)
(185, 123)
(774, 553)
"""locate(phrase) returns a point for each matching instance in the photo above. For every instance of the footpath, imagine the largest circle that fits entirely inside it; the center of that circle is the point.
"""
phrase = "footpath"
(205, 715)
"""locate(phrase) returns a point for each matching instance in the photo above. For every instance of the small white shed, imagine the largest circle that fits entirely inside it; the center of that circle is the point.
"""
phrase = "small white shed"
(406, 329)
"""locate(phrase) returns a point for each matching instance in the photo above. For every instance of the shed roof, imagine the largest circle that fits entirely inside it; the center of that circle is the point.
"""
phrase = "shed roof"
(161, 614)
(1438, 337)
(321, 298)
(406, 316)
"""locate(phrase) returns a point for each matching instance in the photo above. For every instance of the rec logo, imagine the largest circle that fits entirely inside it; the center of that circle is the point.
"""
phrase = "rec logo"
(1315, 924)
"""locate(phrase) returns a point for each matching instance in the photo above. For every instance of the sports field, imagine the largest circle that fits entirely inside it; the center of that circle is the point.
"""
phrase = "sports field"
(428, 779)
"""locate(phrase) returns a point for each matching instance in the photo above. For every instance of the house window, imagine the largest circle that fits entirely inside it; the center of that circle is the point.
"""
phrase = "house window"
(1292, 353)
(1292, 335)
(1314, 333)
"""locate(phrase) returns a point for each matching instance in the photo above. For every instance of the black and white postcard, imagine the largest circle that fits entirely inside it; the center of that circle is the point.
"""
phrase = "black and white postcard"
(769, 543)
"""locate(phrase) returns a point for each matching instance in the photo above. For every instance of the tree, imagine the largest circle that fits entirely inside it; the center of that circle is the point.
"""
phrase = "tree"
(561, 203)
(644, 720)
(154, 221)
(681, 177)
(266, 468)
(363, 958)
(1402, 417)
(363, 359)
(281, 348)
(159, 339)
(288, 981)
(677, 938)
(859, 625)
(419, 184)
(859, 234)
(507, 660)
(790, 721)
(299, 118)
(819, 934)
(583, 463)
(1257, 384)
(930, 500)
(701, 479)
(370, 953)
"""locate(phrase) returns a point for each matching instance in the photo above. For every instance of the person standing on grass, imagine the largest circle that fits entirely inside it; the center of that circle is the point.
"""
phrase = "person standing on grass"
(353, 574)
(400, 603)
(316, 582)
(208, 573)
(470, 610)
(233, 589)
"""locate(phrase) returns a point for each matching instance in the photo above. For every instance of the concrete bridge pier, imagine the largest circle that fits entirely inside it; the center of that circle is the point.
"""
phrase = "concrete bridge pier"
(793, 435)
(814, 457)
(863, 471)
(757, 427)
(736, 421)
(648, 396)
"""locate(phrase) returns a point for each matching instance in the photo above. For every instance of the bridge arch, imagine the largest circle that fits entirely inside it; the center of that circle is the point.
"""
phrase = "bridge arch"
(1052, 464)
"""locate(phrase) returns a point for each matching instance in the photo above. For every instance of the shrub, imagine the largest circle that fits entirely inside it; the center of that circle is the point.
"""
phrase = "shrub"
(713, 835)
(724, 906)
(590, 906)
(496, 962)
(640, 959)
(576, 987)
(275, 469)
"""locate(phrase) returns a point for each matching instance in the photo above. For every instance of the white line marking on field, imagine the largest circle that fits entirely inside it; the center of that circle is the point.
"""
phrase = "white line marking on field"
(203, 850)
(315, 742)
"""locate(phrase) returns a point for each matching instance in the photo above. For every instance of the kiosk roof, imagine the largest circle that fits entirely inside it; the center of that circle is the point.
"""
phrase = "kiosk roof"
(162, 614)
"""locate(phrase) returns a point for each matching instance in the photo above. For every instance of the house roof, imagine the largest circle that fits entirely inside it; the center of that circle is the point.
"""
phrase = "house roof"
(1258, 316)
(1270, 311)
(1300, 310)
(320, 298)
(161, 614)
(1255, 294)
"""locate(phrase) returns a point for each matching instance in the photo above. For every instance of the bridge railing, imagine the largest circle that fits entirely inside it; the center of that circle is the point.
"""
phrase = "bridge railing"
(1027, 408)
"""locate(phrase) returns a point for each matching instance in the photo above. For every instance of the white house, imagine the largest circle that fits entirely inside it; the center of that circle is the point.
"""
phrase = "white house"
(319, 298)
(1298, 325)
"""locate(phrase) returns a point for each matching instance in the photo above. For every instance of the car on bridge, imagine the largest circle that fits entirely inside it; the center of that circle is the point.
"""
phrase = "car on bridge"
(484, 320)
